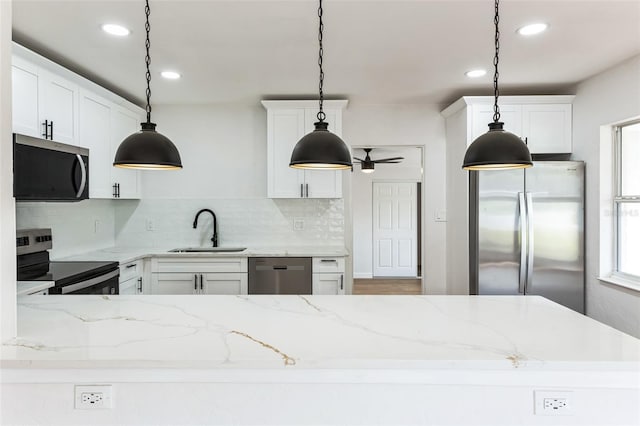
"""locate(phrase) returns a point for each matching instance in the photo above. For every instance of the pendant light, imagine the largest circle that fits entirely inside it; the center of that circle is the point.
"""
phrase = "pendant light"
(148, 149)
(321, 149)
(497, 149)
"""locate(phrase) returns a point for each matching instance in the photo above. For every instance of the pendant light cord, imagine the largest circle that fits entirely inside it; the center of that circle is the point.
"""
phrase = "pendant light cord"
(147, 60)
(321, 115)
(496, 108)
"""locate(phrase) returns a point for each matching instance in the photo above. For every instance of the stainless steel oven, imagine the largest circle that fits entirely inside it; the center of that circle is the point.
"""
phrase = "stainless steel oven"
(78, 277)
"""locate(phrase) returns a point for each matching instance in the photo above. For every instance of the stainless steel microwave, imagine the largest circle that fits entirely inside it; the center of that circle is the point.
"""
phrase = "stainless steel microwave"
(45, 170)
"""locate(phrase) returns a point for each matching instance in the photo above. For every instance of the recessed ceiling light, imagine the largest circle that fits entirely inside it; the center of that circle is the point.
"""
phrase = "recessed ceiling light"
(114, 29)
(475, 73)
(533, 29)
(170, 75)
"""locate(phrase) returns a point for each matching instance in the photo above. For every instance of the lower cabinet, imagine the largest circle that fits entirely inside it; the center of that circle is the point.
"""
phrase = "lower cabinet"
(130, 281)
(220, 275)
(198, 283)
(328, 275)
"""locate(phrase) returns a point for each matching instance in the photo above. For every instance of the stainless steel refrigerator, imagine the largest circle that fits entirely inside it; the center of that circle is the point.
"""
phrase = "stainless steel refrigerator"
(527, 232)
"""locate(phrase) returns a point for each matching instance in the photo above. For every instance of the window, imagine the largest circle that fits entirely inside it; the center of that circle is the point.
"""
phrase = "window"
(626, 201)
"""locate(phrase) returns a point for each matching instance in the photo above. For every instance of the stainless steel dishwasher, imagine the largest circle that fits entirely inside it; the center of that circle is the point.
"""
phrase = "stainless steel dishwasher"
(279, 275)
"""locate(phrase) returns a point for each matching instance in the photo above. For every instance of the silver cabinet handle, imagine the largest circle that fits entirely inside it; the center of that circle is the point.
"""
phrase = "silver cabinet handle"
(83, 181)
(522, 278)
(529, 242)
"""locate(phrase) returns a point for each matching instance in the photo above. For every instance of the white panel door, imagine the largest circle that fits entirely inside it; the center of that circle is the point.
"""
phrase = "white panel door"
(59, 104)
(25, 87)
(95, 131)
(286, 127)
(395, 239)
(123, 123)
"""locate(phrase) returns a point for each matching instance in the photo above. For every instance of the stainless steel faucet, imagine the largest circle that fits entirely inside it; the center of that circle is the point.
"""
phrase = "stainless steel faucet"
(214, 239)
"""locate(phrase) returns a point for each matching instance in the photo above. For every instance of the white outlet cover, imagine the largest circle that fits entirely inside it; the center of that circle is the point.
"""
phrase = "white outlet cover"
(104, 399)
(541, 395)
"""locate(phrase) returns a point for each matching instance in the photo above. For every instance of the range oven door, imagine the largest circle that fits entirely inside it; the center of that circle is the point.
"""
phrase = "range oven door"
(104, 284)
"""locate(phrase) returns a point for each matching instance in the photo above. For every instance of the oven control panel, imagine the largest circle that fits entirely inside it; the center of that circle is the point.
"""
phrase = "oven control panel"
(33, 240)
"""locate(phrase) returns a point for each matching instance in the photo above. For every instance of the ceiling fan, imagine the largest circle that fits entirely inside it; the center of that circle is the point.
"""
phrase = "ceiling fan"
(367, 164)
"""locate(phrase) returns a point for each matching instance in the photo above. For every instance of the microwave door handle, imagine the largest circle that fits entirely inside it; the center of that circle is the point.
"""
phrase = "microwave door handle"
(83, 180)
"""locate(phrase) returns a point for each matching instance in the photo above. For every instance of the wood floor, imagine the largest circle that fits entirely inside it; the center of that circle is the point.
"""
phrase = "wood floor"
(387, 286)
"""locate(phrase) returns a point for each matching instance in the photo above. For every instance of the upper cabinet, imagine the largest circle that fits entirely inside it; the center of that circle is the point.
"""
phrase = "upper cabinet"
(45, 105)
(287, 123)
(544, 122)
(103, 125)
(52, 102)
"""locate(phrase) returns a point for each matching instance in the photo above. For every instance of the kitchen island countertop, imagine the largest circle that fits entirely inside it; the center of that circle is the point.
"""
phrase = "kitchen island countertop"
(384, 360)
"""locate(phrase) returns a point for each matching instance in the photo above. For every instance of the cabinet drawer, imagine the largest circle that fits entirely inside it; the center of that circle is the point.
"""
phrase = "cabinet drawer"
(130, 270)
(202, 265)
(328, 265)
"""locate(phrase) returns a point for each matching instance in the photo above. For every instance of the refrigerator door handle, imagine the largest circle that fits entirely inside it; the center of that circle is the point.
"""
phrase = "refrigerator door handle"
(529, 241)
(524, 230)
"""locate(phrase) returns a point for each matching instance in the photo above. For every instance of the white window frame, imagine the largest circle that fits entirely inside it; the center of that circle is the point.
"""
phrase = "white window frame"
(618, 199)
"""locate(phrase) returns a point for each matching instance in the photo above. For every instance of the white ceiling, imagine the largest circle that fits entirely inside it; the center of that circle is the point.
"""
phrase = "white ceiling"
(391, 51)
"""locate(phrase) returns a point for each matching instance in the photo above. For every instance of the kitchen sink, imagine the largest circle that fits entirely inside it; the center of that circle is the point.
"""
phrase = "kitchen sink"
(207, 249)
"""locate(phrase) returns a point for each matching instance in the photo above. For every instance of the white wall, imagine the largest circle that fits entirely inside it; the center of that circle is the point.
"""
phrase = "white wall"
(415, 125)
(7, 208)
(609, 97)
(362, 203)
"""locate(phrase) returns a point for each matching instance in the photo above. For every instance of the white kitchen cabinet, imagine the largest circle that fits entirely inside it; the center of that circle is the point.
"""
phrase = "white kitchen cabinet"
(102, 124)
(287, 123)
(328, 275)
(202, 275)
(45, 105)
(131, 278)
(543, 121)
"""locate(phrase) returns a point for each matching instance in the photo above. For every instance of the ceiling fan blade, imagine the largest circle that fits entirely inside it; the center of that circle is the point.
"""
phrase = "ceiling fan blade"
(389, 162)
(386, 160)
(359, 159)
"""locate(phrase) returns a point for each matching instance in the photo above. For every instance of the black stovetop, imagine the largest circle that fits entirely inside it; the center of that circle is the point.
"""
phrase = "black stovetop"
(64, 273)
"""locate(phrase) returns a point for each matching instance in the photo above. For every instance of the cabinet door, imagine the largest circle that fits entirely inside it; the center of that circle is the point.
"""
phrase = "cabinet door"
(225, 283)
(130, 286)
(24, 84)
(323, 183)
(285, 127)
(547, 128)
(510, 115)
(330, 284)
(124, 123)
(58, 104)
(95, 131)
(169, 283)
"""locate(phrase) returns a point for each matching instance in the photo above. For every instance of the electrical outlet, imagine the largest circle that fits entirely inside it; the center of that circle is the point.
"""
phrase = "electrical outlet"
(553, 403)
(90, 397)
(298, 224)
(150, 225)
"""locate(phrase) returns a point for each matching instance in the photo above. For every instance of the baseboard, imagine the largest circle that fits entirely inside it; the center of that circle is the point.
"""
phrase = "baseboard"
(362, 275)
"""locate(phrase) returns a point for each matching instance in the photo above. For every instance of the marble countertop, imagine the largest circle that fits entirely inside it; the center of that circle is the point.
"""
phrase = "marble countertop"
(29, 287)
(312, 332)
(130, 254)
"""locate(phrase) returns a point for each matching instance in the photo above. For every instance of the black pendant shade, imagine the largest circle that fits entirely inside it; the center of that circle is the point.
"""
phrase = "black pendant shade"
(496, 150)
(148, 149)
(321, 149)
